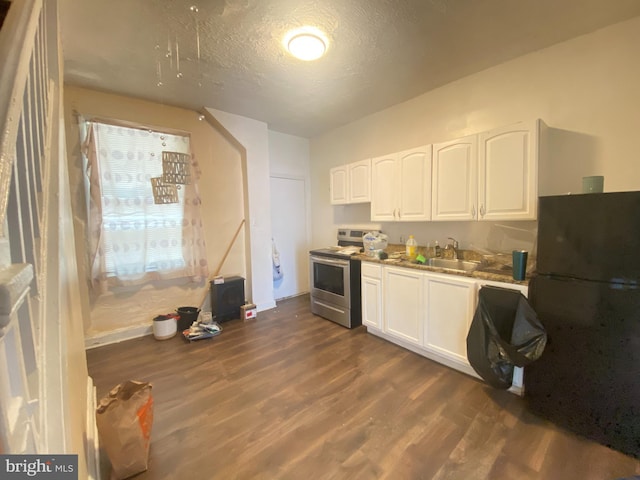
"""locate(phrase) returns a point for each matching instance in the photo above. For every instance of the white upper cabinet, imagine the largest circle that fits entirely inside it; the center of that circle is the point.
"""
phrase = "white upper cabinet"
(383, 188)
(359, 175)
(489, 176)
(350, 183)
(414, 202)
(508, 172)
(338, 185)
(401, 186)
(455, 179)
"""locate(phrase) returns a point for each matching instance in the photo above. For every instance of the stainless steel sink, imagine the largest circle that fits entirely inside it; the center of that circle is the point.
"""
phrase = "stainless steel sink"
(450, 264)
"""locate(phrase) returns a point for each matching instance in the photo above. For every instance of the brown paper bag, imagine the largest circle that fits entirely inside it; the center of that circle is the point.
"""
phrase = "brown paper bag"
(124, 419)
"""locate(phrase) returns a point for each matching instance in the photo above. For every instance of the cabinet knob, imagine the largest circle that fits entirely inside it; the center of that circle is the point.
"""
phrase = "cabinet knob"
(482, 212)
(473, 211)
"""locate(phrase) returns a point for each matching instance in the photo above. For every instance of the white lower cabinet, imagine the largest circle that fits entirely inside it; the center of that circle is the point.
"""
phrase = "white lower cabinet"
(449, 307)
(428, 313)
(372, 295)
(403, 317)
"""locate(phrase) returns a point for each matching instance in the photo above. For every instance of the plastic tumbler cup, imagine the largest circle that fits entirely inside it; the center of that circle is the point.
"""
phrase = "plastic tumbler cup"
(519, 264)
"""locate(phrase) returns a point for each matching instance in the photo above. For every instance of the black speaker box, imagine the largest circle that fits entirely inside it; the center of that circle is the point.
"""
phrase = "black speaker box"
(227, 298)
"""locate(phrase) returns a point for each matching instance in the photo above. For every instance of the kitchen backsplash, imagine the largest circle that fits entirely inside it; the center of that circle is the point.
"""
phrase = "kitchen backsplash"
(492, 237)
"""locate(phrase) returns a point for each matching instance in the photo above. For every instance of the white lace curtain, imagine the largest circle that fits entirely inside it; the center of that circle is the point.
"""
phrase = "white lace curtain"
(132, 240)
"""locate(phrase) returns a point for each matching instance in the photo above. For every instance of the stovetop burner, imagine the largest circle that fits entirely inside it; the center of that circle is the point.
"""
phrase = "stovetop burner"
(350, 242)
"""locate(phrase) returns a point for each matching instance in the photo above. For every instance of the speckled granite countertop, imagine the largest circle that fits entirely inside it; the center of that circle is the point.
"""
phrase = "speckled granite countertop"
(489, 270)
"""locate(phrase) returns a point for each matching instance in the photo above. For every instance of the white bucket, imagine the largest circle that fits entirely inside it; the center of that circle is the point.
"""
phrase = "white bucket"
(164, 327)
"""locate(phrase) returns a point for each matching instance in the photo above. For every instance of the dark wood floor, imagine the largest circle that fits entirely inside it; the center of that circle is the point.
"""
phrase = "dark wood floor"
(293, 396)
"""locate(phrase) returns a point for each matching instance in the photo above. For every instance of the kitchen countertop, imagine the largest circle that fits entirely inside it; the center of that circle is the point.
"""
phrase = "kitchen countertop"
(490, 271)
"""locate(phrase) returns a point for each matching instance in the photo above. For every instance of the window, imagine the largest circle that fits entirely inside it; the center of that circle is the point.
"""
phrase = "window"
(133, 239)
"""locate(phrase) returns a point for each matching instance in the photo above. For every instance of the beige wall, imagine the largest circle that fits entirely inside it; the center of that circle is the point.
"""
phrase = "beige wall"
(288, 155)
(222, 208)
(587, 89)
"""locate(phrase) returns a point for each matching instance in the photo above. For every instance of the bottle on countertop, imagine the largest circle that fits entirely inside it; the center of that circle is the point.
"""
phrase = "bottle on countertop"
(436, 249)
(411, 248)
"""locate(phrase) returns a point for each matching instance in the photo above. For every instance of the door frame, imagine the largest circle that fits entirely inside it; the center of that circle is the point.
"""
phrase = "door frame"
(307, 207)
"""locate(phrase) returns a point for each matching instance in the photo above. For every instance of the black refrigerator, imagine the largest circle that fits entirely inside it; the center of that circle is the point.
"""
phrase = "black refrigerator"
(587, 295)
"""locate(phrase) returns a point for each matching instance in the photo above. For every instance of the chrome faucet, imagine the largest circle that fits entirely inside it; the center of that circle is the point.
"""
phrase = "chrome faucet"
(452, 245)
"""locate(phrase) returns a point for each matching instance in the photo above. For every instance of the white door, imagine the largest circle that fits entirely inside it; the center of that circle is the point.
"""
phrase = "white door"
(289, 231)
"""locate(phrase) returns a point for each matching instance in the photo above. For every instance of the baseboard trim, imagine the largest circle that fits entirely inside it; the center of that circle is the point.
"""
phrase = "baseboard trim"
(129, 333)
(266, 306)
(116, 336)
(291, 296)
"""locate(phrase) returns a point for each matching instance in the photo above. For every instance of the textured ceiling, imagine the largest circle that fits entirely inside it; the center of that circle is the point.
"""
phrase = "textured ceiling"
(381, 52)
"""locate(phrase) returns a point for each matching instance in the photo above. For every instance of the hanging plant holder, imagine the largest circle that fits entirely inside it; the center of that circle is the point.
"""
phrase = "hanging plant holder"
(163, 193)
(176, 168)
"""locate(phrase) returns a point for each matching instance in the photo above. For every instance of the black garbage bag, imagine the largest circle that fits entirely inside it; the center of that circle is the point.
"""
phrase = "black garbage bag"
(505, 332)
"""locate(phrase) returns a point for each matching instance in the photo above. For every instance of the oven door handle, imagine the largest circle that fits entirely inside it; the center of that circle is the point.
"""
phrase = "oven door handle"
(330, 261)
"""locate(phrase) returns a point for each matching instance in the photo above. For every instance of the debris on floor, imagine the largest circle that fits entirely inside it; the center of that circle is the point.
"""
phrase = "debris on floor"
(199, 331)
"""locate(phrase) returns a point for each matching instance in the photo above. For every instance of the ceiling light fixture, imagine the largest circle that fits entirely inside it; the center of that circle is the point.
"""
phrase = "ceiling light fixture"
(306, 43)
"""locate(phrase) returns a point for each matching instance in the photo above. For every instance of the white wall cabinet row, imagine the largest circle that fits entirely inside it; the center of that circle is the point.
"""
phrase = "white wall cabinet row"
(428, 313)
(488, 176)
(351, 183)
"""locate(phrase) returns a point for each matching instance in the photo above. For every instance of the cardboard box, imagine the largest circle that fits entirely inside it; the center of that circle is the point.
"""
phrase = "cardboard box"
(248, 311)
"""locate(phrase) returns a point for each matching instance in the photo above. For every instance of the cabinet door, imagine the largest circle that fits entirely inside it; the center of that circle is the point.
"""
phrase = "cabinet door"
(450, 304)
(455, 179)
(338, 184)
(403, 304)
(508, 166)
(372, 302)
(383, 188)
(414, 191)
(360, 181)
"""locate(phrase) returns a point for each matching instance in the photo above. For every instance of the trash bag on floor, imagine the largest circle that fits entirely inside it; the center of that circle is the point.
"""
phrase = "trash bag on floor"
(505, 332)
(124, 418)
